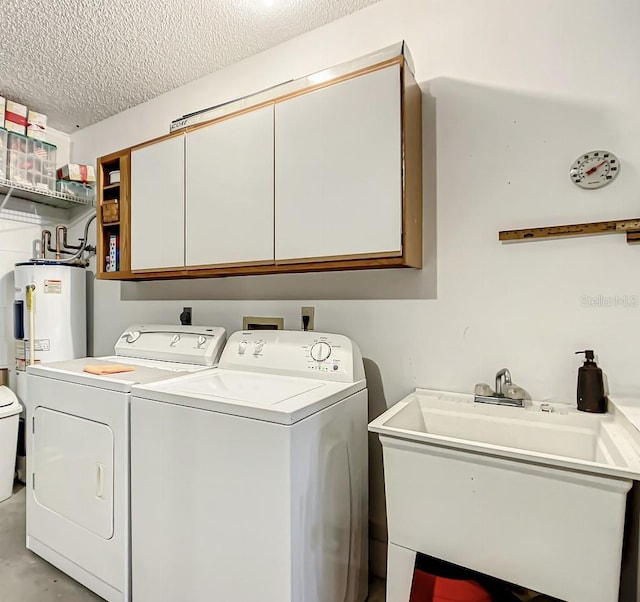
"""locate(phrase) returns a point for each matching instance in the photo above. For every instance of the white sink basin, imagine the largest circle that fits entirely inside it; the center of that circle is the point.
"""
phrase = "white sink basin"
(535, 496)
(544, 433)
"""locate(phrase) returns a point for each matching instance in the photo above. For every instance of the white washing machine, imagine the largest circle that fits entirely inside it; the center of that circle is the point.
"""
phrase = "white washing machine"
(78, 450)
(249, 482)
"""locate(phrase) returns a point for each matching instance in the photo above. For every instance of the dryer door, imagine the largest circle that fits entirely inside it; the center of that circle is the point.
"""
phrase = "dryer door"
(73, 469)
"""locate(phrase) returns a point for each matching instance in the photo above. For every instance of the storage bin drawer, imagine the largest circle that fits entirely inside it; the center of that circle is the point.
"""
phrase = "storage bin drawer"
(77, 190)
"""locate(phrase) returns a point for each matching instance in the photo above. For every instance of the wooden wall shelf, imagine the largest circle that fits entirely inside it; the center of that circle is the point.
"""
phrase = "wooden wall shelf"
(630, 227)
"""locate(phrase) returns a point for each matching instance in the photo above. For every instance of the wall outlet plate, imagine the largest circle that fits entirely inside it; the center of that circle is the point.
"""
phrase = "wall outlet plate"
(310, 312)
(185, 316)
(256, 323)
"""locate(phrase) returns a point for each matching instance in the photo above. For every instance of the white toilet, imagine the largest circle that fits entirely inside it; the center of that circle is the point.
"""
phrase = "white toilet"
(9, 412)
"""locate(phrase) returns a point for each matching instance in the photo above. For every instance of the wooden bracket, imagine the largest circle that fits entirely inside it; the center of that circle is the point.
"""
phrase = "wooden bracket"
(631, 227)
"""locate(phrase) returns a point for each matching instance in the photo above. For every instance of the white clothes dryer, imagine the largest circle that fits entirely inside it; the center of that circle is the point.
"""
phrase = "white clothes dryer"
(249, 482)
(78, 450)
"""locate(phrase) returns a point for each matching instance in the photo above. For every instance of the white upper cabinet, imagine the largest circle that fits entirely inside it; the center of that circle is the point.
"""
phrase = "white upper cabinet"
(338, 166)
(157, 205)
(229, 191)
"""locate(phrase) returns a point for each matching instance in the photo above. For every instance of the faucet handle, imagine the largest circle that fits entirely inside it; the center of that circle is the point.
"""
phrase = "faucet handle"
(514, 392)
(483, 389)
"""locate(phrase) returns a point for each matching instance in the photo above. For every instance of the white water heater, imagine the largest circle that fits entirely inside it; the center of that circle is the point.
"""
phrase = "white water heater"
(50, 312)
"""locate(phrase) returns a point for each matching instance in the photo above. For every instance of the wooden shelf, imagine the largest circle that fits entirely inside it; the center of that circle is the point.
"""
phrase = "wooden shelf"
(114, 276)
(105, 230)
(630, 227)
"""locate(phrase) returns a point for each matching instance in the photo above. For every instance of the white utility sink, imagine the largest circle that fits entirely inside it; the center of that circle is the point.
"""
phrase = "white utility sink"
(533, 495)
(545, 433)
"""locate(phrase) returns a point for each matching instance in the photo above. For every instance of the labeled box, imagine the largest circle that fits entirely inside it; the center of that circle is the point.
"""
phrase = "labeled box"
(77, 172)
(3, 108)
(15, 118)
(36, 125)
(114, 253)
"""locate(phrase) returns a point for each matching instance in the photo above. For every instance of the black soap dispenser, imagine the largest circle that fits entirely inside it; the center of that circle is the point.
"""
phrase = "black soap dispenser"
(591, 386)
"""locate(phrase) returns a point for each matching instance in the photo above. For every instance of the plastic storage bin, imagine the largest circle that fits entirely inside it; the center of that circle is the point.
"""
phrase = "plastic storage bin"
(78, 190)
(9, 414)
(42, 150)
(4, 140)
(17, 142)
(42, 182)
(19, 176)
(19, 162)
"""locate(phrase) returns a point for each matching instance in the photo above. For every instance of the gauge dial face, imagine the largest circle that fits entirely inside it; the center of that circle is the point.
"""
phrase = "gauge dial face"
(594, 169)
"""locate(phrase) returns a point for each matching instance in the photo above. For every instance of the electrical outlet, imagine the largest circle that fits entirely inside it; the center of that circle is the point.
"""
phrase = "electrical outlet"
(310, 312)
(185, 316)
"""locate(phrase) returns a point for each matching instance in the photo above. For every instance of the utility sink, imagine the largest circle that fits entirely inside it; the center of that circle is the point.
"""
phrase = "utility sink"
(543, 433)
(535, 496)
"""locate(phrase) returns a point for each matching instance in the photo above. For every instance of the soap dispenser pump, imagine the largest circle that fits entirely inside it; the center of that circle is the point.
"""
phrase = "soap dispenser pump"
(591, 386)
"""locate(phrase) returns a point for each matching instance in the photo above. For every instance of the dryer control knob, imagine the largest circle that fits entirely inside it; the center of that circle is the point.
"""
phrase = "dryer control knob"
(242, 347)
(258, 348)
(201, 341)
(321, 352)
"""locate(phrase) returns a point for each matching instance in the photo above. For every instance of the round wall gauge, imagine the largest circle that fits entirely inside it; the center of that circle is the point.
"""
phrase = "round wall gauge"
(594, 169)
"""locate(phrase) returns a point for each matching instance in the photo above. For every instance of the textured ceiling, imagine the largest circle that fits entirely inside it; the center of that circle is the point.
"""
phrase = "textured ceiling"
(81, 61)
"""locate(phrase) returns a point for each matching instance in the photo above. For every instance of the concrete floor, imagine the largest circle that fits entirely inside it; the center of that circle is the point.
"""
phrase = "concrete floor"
(25, 577)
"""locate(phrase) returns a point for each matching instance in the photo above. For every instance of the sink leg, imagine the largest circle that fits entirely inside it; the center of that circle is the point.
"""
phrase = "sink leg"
(400, 566)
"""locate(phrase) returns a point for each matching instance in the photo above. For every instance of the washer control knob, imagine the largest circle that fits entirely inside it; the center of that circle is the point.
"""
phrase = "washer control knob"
(133, 336)
(242, 347)
(174, 339)
(321, 352)
(258, 348)
(201, 341)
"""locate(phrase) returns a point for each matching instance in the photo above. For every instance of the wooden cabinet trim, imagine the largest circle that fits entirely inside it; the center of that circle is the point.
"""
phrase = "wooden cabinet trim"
(255, 270)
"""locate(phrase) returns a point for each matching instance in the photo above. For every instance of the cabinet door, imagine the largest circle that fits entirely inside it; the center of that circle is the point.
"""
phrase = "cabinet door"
(157, 205)
(339, 170)
(229, 191)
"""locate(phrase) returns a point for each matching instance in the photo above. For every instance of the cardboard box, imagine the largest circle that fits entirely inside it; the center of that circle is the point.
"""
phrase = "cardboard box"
(3, 108)
(36, 125)
(77, 173)
(15, 118)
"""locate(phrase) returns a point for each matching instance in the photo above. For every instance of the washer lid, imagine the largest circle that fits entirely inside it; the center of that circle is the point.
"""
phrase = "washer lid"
(268, 397)
(255, 389)
(146, 371)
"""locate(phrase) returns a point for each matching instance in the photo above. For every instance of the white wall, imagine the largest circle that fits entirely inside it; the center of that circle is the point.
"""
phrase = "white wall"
(519, 90)
(17, 231)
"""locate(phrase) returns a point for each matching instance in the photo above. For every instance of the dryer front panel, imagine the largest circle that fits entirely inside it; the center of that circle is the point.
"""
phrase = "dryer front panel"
(73, 454)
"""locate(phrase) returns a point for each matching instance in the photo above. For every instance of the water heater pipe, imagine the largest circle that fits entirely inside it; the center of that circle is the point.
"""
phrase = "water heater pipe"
(31, 300)
(46, 236)
(82, 247)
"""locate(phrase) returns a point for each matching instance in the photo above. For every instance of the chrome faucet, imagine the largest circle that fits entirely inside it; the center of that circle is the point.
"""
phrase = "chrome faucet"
(506, 393)
(504, 373)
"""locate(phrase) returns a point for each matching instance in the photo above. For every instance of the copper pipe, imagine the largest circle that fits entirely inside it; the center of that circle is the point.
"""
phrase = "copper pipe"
(58, 230)
(45, 234)
(65, 244)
